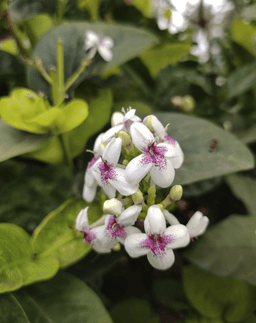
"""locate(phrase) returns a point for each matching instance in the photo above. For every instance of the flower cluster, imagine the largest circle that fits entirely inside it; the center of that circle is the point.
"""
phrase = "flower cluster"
(132, 158)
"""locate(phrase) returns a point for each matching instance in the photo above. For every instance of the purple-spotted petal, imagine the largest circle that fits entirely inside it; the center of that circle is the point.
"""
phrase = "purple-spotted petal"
(112, 151)
(112, 132)
(138, 168)
(162, 173)
(130, 215)
(141, 136)
(155, 221)
(168, 150)
(133, 247)
(89, 192)
(82, 220)
(162, 263)
(99, 244)
(129, 230)
(121, 184)
(180, 236)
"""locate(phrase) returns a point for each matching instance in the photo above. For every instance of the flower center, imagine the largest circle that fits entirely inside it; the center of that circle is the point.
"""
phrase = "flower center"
(154, 154)
(107, 172)
(114, 229)
(89, 236)
(157, 243)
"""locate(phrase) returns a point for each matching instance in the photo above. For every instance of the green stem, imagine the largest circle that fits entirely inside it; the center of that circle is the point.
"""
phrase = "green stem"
(76, 75)
(60, 70)
(65, 147)
(53, 73)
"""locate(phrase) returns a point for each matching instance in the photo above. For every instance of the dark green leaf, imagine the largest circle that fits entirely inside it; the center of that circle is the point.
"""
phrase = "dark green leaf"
(195, 136)
(27, 200)
(18, 264)
(248, 136)
(228, 249)
(215, 297)
(241, 80)
(64, 299)
(243, 34)
(129, 42)
(56, 236)
(10, 64)
(11, 311)
(24, 9)
(14, 142)
(134, 310)
(244, 188)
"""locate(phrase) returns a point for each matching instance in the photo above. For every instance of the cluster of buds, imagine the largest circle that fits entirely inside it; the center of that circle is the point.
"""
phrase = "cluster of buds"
(132, 158)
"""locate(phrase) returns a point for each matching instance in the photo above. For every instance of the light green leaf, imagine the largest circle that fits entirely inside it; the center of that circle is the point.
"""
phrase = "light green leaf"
(144, 6)
(11, 311)
(92, 6)
(75, 113)
(194, 136)
(134, 310)
(162, 55)
(14, 142)
(129, 42)
(243, 34)
(228, 249)
(215, 297)
(241, 80)
(64, 299)
(19, 265)
(100, 106)
(56, 236)
(244, 188)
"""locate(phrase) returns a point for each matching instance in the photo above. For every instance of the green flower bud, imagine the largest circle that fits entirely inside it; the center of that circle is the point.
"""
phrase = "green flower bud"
(137, 197)
(176, 192)
(149, 123)
(126, 138)
(113, 206)
(188, 103)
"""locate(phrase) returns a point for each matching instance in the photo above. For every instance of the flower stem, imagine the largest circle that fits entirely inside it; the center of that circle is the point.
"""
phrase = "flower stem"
(60, 70)
(76, 75)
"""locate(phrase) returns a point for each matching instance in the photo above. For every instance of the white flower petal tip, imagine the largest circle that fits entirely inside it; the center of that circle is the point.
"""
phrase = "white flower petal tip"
(113, 206)
(95, 42)
(82, 219)
(197, 224)
(170, 218)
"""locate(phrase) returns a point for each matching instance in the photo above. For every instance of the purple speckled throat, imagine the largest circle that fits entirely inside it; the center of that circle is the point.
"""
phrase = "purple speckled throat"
(155, 155)
(114, 229)
(107, 172)
(169, 140)
(157, 243)
(89, 236)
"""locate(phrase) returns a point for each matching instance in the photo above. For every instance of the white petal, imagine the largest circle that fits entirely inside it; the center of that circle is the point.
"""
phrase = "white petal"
(112, 151)
(141, 136)
(129, 230)
(155, 221)
(137, 168)
(197, 224)
(89, 192)
(109, 190)
(89, 178)
(178, 160)
(97, 143)
(108, 41)
(170, 218)
(91, 39)
(180, 236)
(170, 150)
(117, 118)
(82, 219)
(162, 23)
(158, 127)
(129, 114)
(121, 184)
(130, 215)
(105, 53)
(113, 206)
(132, 245)
(161, 263)
(112, 132)
(98, 244)
(163, 176)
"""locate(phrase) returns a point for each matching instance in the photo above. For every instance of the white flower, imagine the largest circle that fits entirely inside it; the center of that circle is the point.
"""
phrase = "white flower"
(157, 243)
(197, 224)
(121, 121)
(109, 175)
(90, 184)
(118, 228)
(91, 235)
(156, 127)
(101, 44)
(156, 158)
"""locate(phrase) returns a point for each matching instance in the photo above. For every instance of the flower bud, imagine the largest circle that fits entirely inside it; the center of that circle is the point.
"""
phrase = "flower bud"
(113, 206)
(188, 103)
(149, 123)
(126, 138)
(176, 192)
(137, 197)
